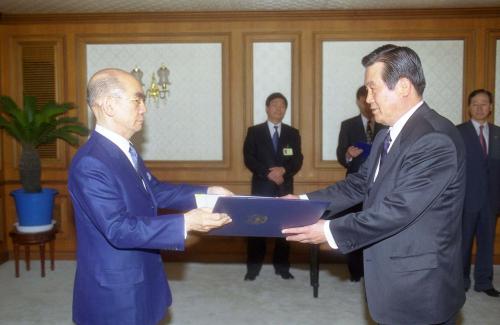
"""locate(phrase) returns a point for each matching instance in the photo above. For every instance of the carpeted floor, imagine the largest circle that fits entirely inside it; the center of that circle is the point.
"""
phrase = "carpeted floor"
(216, 294)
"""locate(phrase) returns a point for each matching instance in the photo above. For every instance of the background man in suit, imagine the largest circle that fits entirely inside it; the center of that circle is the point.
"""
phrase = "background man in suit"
(119, 277)
(272, 153)
(361, 128)
(412, 187)
(482, 196)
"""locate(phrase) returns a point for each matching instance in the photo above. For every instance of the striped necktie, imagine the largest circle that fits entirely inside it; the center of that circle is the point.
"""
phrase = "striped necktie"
(134, 156)
(482, 141)
(369, 132)
(276, 138)
(385, 148)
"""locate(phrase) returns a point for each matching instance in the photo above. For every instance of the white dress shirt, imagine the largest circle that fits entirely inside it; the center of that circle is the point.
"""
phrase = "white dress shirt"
(271, 126)
(486, 131)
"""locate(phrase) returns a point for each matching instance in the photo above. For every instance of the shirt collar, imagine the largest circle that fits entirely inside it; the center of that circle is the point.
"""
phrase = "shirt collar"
(114, 137)
(476, 125)
(364, 120)
(398, 126)
(271, 126)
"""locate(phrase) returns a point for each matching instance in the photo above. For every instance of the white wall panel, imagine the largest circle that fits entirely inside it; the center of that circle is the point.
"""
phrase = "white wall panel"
(343, 74)
(272, 72)
(189, 125)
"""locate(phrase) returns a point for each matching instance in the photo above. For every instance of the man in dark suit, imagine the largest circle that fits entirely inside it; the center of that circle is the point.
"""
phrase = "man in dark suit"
(412, 187)
(119, 276)
(360, 129)
(482, 196)
(273, 154)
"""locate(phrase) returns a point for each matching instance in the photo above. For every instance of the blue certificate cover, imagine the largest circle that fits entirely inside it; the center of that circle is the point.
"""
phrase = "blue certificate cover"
(264, 216)
(365, 146)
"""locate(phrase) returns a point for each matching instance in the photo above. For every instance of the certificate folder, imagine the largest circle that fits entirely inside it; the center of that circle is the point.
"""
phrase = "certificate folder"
(365, 146)
(265, 217)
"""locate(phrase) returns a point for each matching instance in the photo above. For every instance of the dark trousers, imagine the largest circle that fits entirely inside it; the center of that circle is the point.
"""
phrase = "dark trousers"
(355, 258)
(256, 251)
(480, 225)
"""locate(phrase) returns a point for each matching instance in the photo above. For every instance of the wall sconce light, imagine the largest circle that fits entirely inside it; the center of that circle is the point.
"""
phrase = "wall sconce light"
(157, 90)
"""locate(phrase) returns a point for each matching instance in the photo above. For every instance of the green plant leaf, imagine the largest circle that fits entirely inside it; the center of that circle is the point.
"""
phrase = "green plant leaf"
(29, 108)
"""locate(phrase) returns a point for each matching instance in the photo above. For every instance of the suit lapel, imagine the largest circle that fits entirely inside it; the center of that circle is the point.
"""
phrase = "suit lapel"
(360, 129)
(493, 140)
(374, 157)
(122, 163)
(390, 159)
(399, 143)
(267, 136)
(145, 177)
(283, 138)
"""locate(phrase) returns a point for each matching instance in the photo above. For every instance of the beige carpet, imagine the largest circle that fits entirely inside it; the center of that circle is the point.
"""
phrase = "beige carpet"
(216, 294)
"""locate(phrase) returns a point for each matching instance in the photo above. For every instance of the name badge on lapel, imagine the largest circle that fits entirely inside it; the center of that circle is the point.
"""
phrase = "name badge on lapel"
(287, 152)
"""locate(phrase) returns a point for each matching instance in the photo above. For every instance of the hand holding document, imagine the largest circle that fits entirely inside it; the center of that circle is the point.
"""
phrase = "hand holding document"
(203, 220)
(312, 234)
(261, 216)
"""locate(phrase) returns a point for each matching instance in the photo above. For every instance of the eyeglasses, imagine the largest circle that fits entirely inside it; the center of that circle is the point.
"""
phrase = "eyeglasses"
(138, 101)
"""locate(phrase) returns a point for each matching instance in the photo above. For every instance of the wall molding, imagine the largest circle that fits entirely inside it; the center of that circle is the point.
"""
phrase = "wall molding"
(413, 14)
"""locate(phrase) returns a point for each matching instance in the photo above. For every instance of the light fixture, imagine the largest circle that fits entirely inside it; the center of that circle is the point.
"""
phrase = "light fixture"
(157, 89)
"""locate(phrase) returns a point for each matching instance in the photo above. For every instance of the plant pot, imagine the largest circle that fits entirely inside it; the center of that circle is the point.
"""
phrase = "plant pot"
(34, 209)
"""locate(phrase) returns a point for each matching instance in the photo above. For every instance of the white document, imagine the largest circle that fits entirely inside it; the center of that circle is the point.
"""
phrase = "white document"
(209, 200)
(206, 200)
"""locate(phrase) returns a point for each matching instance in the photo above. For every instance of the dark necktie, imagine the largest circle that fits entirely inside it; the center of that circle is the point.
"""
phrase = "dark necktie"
(369, 132)
(385, 148)
(276, 138)
(482, 141)
(134, 156)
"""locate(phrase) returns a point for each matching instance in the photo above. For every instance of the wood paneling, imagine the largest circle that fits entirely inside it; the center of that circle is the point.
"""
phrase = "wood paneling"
(478, 28)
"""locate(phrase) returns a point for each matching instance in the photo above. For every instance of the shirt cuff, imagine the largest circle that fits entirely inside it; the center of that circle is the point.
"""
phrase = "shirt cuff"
(303, 197)
(328, 235)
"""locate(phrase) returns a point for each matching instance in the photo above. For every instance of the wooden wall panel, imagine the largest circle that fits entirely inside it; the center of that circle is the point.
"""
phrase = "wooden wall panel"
(477, 27)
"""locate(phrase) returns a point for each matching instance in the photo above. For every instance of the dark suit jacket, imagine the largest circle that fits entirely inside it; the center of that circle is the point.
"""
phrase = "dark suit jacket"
(119, 277)
(352, 131)
(483, 175)
(259, 156)
(410, 226)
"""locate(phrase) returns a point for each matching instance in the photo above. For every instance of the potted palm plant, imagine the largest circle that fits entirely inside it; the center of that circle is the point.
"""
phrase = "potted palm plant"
(32, 127)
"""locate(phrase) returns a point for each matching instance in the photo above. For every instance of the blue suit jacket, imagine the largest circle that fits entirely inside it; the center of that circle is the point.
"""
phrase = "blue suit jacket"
(410, 226)
(483, 175)
(120, 277)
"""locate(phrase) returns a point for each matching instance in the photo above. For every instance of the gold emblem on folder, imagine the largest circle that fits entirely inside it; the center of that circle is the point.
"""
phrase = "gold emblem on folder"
(257, 219)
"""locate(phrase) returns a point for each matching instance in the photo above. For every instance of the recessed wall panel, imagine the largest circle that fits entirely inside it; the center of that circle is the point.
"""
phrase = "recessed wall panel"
(188, 125)
(342, 74)
(272, 72)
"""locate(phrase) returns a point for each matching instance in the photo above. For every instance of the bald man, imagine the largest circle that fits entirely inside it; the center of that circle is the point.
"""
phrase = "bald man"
(120, 276)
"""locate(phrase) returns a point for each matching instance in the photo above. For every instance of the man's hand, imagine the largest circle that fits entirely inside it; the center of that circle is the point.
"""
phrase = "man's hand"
(276, 175)
(219, 190)
(312, 234)
(353, 152)
(204, 220)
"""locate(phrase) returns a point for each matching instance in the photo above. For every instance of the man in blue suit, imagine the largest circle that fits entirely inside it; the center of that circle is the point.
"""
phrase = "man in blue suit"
(120, 277)
(482, 195)
(412, 187)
